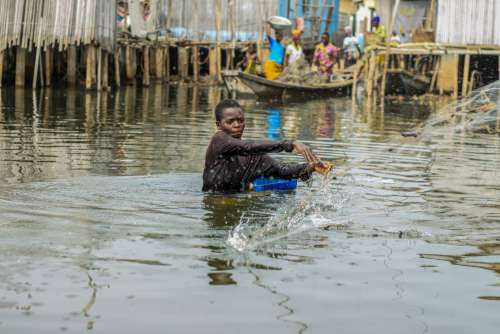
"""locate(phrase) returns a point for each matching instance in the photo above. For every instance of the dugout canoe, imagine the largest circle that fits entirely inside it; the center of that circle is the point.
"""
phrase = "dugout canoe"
(264, 88)
(402, 82)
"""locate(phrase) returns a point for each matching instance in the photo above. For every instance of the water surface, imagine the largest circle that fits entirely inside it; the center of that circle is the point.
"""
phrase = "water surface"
(104, 227)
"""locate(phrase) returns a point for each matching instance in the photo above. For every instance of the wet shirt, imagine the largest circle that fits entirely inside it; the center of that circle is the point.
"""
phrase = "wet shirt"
(231, 164)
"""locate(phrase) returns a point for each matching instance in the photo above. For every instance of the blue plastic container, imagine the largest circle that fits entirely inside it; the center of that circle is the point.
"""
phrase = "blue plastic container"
(264, 183)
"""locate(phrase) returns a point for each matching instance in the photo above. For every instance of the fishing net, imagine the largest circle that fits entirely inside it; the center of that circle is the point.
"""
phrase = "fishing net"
(478, 112)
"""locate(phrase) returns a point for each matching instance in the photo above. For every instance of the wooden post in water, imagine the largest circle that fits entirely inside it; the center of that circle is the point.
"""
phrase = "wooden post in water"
(145, 74)
(159, 64)
(465, 81)
(218, 24)
(1, 67)
(388, 50)
(353, 91)
(196, 64)
(455, 79)
(48, 66)
(20, 66)
(167, 63)
(105, 70)
(437, 64)
(212, 63)
(90, 64)
(117, 66)
(71, 65)
(99, 69)
(183, 62)
(130, 64)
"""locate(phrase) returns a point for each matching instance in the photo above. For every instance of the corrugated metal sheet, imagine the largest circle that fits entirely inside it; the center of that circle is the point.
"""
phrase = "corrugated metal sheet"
(468, 22)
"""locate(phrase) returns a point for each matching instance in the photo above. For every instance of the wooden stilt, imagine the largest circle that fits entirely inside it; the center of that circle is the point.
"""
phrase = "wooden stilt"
(183, 62)
(71, 65)
(145, 74)
(20, 66)
(465, 81)
(48, 67)
(167, 63)
(89, 67)
(105, 70)
(117, 66)
(212, 63)
(130, 63)
(159, 64)
(99, 68)
(455, 81)
(1, 67)
(218, 27)
(353, 91)
(437, 65)
(196, 64)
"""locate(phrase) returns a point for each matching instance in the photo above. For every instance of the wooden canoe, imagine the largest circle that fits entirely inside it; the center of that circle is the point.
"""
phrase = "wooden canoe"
(264, 88)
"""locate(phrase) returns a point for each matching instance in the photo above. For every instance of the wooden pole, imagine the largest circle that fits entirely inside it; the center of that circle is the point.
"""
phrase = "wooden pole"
(48, 67)
(455, 75)
(105, 70)
(465, 80)
(117, 66)
(212, 66)
(1, 67)
(37, 60)
(258, 19)
(218, 24)
(167, 63)
(99, 68)
(388, 50)
(183, 62)
(145, 74)
(159, 64)
(353, 92)
(20, 66)
(232, 22)
(130, 64)
(71, 65)
(437, 65)
(196, 64)
(89, 66)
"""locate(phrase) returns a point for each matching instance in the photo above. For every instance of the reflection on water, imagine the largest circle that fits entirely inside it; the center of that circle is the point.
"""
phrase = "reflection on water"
(101, 215)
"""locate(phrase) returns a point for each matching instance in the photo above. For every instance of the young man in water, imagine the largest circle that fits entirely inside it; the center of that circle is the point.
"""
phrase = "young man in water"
(232, 164)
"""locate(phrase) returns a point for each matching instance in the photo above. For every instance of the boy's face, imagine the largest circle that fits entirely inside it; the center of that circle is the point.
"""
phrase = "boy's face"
(232, 122)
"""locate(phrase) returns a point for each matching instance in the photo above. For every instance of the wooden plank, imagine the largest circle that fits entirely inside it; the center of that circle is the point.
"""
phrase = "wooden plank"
(212, 64)
(48, 67)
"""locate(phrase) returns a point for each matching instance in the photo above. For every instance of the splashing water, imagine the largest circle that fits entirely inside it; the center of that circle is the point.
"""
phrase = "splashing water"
(323, 205)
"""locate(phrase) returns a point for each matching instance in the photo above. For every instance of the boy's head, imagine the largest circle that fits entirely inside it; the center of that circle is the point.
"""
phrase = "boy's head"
(230, 118)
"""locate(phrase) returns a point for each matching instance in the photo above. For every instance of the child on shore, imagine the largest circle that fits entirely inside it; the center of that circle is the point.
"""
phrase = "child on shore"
(232, 164)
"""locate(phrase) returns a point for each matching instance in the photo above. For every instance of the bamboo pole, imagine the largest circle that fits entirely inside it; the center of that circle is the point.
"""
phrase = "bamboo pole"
(71, 65)
(37, 60)
(258, 20)
(20, 66)
(117, 66)
(232, 22)
(354, 87)
(130, 64)
(465, 80)
(145, 72)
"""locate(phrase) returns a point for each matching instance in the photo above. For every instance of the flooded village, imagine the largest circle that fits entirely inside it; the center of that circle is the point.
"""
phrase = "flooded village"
(367, 131)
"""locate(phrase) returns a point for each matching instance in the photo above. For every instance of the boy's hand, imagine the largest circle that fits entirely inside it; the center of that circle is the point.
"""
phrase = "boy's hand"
(305, 151)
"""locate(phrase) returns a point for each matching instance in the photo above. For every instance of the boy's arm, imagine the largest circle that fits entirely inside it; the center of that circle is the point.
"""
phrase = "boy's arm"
(229, 146)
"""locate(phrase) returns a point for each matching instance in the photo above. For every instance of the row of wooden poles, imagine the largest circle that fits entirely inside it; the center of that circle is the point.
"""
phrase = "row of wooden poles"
(129, 64)
(377, 64)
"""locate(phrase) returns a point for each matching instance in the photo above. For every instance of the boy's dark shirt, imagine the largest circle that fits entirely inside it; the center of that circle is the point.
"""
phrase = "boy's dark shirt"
(231, 163)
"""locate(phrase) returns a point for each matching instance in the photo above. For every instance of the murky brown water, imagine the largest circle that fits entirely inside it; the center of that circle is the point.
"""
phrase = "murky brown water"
(103, 226)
